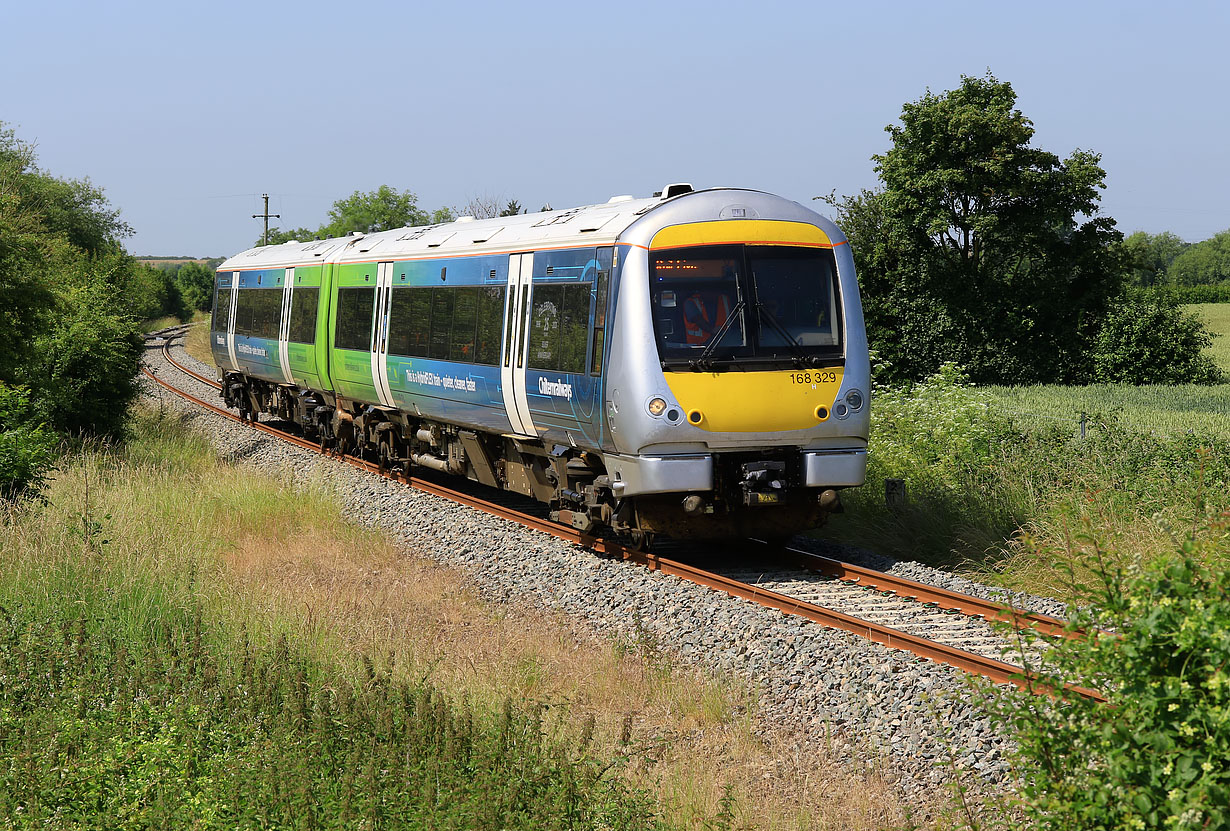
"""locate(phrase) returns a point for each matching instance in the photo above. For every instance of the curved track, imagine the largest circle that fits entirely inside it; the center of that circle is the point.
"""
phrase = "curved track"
(899, 613)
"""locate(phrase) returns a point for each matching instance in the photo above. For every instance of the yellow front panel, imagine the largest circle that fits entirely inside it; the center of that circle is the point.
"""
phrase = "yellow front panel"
(756, 402)
(749, 231)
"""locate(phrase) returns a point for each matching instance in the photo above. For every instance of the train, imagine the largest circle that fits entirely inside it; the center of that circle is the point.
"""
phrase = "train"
(691, 365)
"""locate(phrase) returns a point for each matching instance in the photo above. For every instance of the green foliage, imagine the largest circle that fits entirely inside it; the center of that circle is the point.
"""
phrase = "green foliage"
(512, 208)
(1157, 755)
(27, 448)
(1218, 293)
(382, 209)
(87, 356)
(974, 251)
(979, 466)
(1149, 340)
(196, 286)
(182, 724)
(1150, 256)
(1204, 263)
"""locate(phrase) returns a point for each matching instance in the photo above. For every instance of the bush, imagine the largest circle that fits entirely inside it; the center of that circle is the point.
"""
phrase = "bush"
(26, 447)
(1148, 339)
(86, 362)
(1157, 755)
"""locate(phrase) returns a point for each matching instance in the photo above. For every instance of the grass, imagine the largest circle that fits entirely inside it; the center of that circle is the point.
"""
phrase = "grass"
(142, 548)
(196, 341)
(991, 485)
(1216, 317)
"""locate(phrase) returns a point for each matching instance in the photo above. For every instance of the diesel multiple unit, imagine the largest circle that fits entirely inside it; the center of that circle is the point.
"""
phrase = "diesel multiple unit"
(694, 364)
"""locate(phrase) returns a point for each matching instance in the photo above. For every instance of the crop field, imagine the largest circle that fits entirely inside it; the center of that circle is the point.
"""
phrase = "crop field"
(1216, 318)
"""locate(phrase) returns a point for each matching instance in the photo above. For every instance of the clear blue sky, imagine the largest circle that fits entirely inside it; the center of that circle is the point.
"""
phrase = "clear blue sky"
(185, 113)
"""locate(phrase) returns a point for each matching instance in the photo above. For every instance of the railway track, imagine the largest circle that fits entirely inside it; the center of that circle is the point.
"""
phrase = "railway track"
(933, 623)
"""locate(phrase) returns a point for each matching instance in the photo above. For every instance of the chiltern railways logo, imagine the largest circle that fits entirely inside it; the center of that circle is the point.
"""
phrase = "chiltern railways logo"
(555, 389)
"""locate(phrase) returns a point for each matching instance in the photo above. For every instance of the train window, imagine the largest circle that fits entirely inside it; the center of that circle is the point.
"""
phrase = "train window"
(795, 301)
(544, 326)
(465, 320)
(577, 263)
(257, 312)
(574, 328)
(441, 322)
(490, 323)
(600, 293)
(304, 304)
(409, 322)
(354, 318)
(222, 310)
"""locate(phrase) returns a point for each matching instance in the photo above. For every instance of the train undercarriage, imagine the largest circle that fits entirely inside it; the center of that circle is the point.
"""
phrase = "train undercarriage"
(754, 493)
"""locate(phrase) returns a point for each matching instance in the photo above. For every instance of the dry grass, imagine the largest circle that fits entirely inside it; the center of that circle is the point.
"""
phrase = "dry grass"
(692, 736)
(167, 517)
(196, 341)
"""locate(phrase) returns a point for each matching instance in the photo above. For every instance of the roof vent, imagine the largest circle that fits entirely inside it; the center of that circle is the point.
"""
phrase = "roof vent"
(626, 197)
(464, 219)
(677, 189)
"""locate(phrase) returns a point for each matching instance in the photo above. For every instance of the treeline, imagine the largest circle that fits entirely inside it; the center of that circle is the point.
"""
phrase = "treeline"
(982, 250)
(1166, 261)
(72, 304)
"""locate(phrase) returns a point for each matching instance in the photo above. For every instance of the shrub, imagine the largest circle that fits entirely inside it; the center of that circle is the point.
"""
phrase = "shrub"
(1150, 340)
(1157, 755)
(86, 361)
(26, 447)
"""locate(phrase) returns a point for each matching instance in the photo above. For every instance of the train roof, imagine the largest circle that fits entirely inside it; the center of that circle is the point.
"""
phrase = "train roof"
(595, 225)
(588, 225)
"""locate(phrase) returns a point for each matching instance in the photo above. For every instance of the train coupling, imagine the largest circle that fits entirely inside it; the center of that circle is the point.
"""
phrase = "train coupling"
(763, 483)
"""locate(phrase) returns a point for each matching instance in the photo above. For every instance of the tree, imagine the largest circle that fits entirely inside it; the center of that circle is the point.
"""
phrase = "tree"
(383, 209)
(1204, 263)
(512, 208)
(196, 284)
(1150, 255)
(980, 248)
(1149, 339)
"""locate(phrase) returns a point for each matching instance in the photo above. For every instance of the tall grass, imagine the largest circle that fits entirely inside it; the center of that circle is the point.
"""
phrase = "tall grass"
(982, 478)
(191, 570)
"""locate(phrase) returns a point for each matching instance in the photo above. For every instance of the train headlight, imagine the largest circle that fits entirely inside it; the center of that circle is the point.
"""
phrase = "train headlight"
(854, 400)
(840, 410)
(657, 406)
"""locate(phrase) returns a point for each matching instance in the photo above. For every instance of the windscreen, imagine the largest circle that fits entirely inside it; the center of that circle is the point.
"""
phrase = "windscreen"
(732, 305)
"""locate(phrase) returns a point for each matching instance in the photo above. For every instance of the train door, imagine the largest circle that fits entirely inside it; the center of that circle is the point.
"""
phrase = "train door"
(284, 326)
(230, 328)
(380, 333)
(516, 333)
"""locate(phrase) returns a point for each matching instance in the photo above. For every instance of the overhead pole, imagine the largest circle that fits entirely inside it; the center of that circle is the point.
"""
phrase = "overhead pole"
(265, 216)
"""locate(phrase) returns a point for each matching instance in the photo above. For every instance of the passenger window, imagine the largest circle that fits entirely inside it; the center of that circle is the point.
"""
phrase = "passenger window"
(465, 319)
(490, 322)
(600, 292)
(245, 307)
(545, 325)
(441, 322)
(354, 318)
(222, 310)
(574, 328)
(303, 306)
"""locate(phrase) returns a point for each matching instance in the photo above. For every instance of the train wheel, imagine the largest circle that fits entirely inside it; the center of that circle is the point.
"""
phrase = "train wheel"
(641, 541)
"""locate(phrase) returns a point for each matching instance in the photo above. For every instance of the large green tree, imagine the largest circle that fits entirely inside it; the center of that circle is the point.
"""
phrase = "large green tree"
(981, 248)
(382, 209)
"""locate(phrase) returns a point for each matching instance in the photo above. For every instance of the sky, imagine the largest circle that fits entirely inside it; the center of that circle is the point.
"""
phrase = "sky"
(186, 113)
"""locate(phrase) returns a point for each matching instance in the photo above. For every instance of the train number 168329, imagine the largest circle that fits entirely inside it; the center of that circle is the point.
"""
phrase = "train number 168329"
(820, 376)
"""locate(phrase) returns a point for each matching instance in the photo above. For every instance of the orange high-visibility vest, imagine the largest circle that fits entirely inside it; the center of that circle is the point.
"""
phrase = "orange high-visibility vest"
(697, 325)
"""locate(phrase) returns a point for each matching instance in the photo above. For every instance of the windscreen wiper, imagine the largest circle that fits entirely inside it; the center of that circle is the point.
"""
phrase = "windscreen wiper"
(800, 356)
(701, 361)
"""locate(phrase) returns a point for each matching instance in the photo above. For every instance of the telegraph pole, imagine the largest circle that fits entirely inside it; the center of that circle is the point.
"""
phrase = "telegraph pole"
(265, 216)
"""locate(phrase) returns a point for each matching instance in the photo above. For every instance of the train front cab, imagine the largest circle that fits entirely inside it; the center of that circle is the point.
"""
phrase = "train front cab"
(751, 411)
